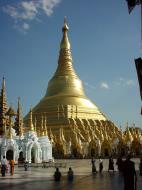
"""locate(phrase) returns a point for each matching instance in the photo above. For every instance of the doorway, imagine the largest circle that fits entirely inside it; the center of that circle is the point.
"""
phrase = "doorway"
(9, 155)
(33, 155)
(21, 157)
(106, 152)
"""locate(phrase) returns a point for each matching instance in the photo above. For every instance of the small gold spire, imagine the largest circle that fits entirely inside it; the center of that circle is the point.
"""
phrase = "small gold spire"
(42, 128)
(101, 136)
(45, 127)
(35, 122)
(31, 127)
(60, 136)
(128, 135)
(127, 126)
(63, 137)
(51, 135)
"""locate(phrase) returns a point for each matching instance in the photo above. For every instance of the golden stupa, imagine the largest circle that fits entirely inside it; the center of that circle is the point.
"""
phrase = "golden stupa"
(65, 111)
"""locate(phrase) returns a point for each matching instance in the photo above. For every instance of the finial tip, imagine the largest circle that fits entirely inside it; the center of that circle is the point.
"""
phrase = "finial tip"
(65, 27)
(65, 20)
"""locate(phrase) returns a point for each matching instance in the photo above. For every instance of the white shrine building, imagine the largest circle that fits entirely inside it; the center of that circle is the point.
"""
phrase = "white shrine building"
(19, 142)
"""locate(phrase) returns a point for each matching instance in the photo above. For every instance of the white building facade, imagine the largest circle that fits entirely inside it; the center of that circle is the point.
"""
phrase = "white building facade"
(28, 148)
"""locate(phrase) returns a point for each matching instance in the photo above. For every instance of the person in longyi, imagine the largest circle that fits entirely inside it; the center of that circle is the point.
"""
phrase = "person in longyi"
(11, 162)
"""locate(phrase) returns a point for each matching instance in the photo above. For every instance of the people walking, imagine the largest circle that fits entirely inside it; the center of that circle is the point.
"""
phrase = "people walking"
(111, 165)
(93, 161)
(57, 175)
(11, 162)
(129, 172)
(7, 167)
(100, 165)
(3, 166)
(70, 174)
(140, 167)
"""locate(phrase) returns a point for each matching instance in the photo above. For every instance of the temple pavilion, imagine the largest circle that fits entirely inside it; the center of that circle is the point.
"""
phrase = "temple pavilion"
(19, 144)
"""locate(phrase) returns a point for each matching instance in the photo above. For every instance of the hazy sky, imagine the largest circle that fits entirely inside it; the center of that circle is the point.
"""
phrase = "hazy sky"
(105, 40)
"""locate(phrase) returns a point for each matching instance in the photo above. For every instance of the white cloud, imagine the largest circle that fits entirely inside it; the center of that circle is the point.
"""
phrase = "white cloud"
(23, 11)
(25, 26)
(29, 10)
(124, 82)
(48, 5)
(104, 85)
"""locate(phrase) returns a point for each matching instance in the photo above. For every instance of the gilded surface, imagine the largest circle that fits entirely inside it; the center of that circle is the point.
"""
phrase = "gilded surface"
(74, 124)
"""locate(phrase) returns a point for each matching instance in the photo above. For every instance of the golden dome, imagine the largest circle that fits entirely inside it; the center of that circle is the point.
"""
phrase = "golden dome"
(70, 115)
(65, 89)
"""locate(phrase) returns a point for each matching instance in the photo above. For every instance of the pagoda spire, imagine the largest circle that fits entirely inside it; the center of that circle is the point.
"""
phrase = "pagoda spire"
(35, 125)
(19, 120)
(3, 106)
(65, 44)
(3, 102)
(42, 127)
(65, 58)
(65, 79)
(45, 127)
(31, 127)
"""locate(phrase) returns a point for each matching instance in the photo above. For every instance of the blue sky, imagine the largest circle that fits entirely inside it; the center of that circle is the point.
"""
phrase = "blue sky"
(104, 38)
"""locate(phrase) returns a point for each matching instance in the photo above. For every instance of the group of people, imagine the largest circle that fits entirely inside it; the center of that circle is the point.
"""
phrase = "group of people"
(57, 175)
(119, 162)
(110, 165)
(7, 166)
(125, 167)
(93, 162)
